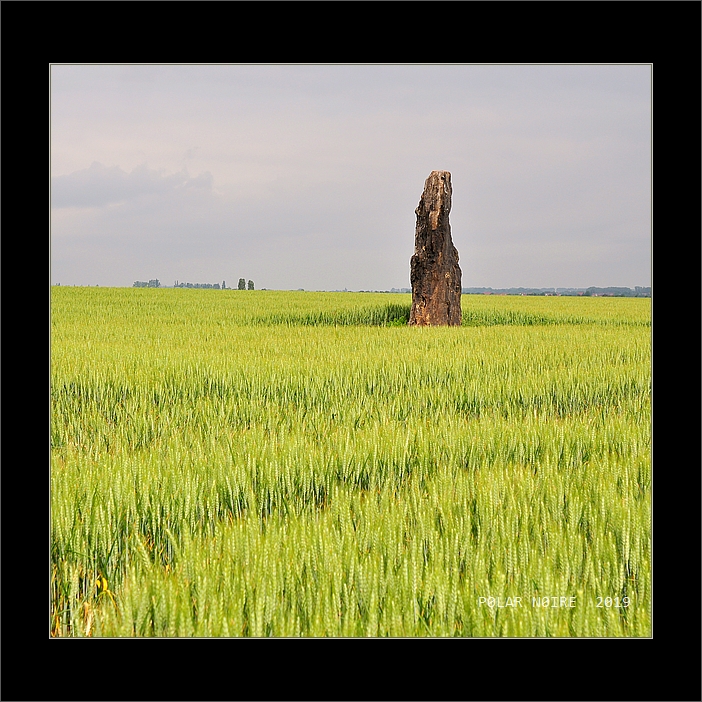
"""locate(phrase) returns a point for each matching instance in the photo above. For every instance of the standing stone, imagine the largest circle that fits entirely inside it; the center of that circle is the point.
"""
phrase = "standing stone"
(434, 271)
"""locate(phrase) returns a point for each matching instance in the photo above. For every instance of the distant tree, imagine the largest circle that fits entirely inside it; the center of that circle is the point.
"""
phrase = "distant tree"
(242, 284)
(224, 285)
(140, 284)
(154, 283)
(251, 285)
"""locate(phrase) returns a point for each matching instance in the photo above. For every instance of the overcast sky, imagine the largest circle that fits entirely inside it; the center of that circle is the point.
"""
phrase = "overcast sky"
(307, 176)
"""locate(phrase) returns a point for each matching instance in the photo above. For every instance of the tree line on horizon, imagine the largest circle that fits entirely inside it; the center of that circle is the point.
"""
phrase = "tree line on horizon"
(637, 291)
(209, 286)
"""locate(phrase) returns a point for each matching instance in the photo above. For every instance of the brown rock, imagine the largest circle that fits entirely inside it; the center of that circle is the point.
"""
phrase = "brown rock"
(434, 271)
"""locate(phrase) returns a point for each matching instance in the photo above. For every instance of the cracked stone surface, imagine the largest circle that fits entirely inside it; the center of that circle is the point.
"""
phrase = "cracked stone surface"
(434, 271)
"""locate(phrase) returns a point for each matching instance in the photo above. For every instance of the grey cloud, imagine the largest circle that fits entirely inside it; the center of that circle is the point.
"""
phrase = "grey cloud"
(101, 185)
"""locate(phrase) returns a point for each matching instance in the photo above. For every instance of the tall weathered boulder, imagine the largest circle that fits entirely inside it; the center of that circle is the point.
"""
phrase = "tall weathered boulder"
(434, 271)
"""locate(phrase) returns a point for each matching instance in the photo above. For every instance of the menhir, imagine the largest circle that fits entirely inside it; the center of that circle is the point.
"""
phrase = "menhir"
(434, 271)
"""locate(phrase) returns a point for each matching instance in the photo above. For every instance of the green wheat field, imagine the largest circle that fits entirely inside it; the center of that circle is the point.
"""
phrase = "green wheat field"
(297, 464)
